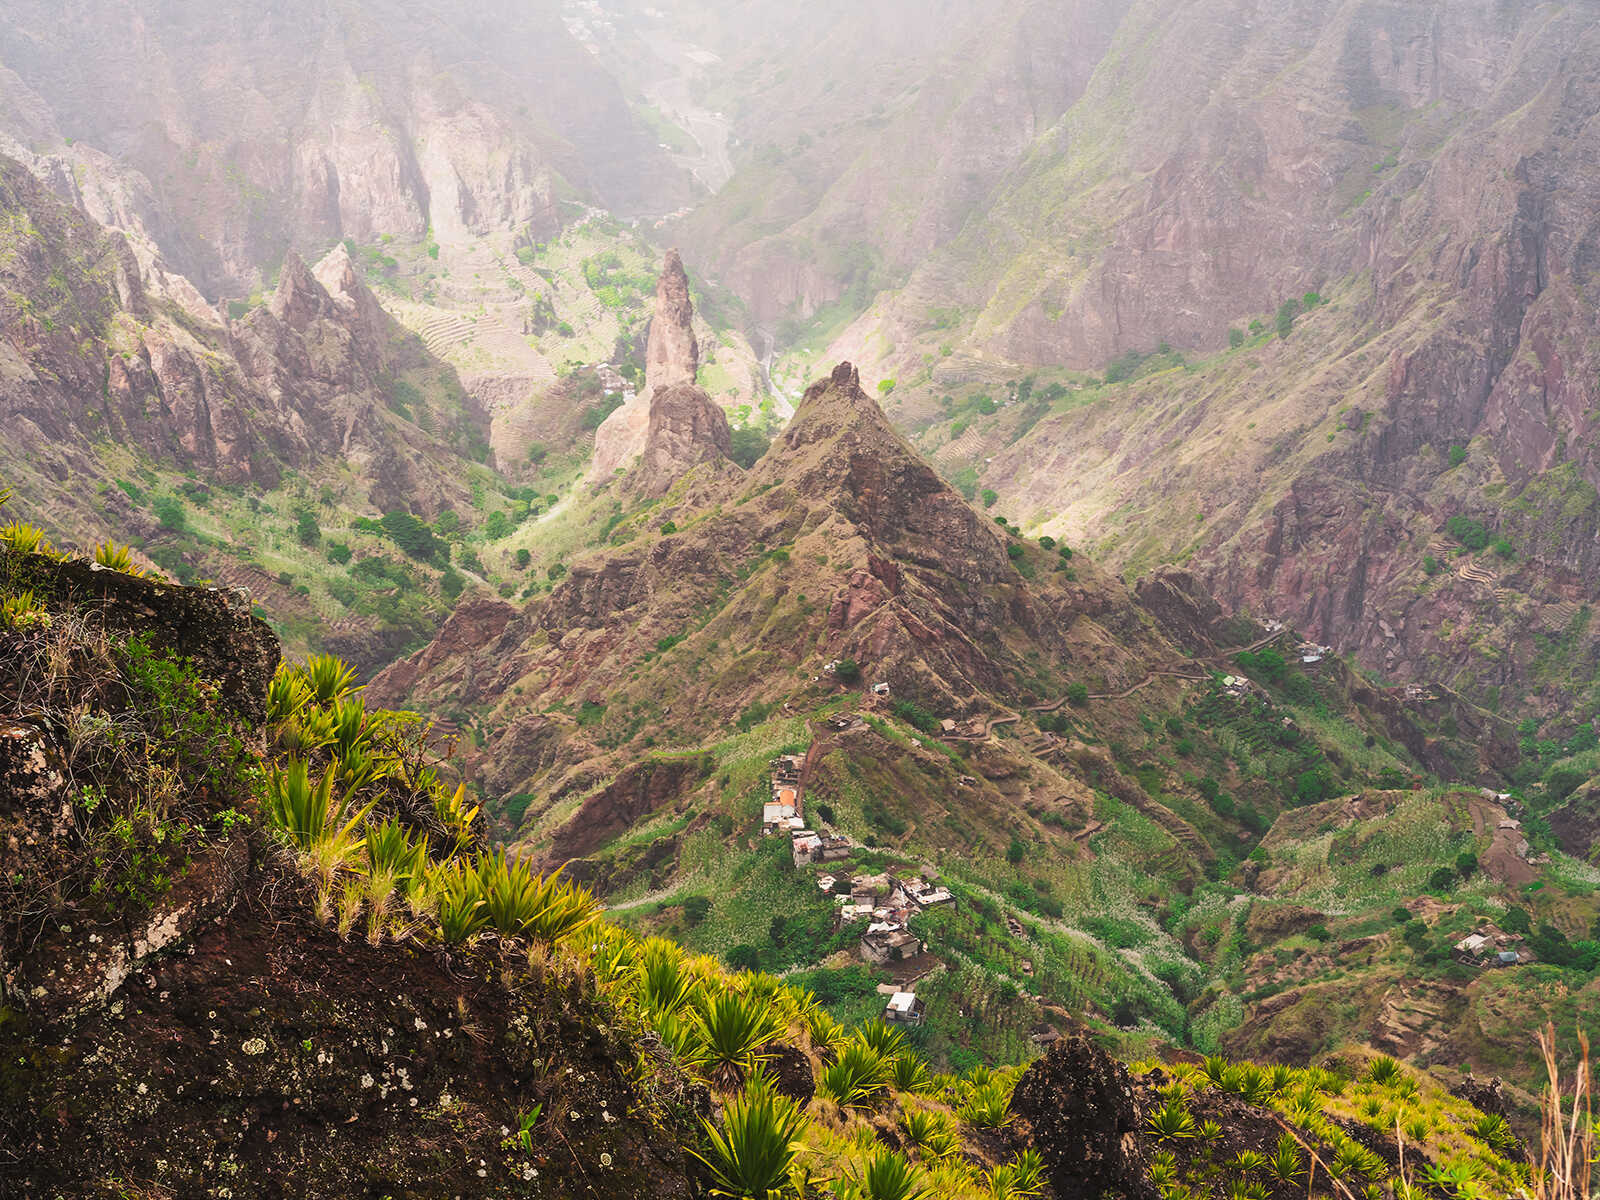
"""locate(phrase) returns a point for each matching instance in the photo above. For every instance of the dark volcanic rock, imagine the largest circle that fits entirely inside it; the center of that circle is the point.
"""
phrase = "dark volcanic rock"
(1075, 1106)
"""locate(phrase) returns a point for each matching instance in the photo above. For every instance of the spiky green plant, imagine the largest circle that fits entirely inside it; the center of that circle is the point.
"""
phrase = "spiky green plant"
(932, 1133)
(1249, 1160)
(988, 1104)
(1287, 1164)
(856, 1077)
(909, 1073)
(1215, 1068)
(329, 678)
(322, 823)
(664, 984)
(22, 610)
(885, 1039)
(731, 1029)
(1383, 1070)
(1494, 1131)
(459, 901)
(349, 714)
(888, 1176)
(21, 538)
(116, 558)
(751, 1155)
(1019, 1179)
(1171, 1121)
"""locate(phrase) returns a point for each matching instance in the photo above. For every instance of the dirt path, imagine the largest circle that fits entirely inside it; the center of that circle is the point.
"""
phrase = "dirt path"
(1501, 860)
(1176, 671)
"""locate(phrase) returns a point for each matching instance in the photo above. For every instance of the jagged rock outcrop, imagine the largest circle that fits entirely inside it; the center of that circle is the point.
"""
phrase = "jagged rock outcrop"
(672, 358)
(97, 356)
(686, 429)
(840, 542)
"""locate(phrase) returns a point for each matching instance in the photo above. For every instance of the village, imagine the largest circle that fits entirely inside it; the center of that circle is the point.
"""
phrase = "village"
(883, 904)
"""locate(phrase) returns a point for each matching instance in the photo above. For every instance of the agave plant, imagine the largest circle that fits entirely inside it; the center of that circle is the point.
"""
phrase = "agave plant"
(116, 558)
(909, 1073)
(888, 1176)
(988, 1104)
(751, 1155)
(1383, 1070)
(312, 817)
(1287, 1164)
(1215, 1068)
(731, 1030)
(458, 894)
(1019, 1179)
(21, 538)
(288, 695)
(1249, 1160)
(451, 809)
(827, 1034)
(931, 1133)
(394, 864)
(856, 1078)
(664, 983)
(885, 1039)
(1171, 1121)
(349, 714)
(20, 610)
(329, 678)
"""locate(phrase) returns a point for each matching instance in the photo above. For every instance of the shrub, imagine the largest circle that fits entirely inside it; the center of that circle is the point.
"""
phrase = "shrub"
(1430, 565)
(170, 512)
(668, 528)
(1047, 542)
(989, 497)
(1077, 694)
(1457, 455)
(847, 671)
(1471, 534)
(1014, 551)
(306, 531)
(1015, 851)
(1235, 338)
(339, 553)
(524, 556)
(1442, 880)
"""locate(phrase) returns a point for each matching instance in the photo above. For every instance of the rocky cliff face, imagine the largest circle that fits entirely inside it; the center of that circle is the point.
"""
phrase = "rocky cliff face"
(686, 430)
(309, 124)
(672, 358)
(1325, 150)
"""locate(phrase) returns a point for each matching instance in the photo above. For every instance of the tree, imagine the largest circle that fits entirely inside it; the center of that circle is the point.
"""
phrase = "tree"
(1458, 455)
(1442, 880)
(495, 526)
(1015, 851)
(339, 552)
(989, 497)
(1516, 920)
(1047, 542)
(1287, 312)
(748, 447)
(1235, 338)
(848, 671)
(1077, 694)
(1466, 863)
(306, 529)
(524, 557)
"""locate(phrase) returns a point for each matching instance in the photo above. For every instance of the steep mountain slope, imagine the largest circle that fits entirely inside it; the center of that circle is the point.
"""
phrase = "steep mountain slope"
(1421, 167)
(853, 167)
(1096, 801)
(212, 986)
(229, 134)
(223, 447)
